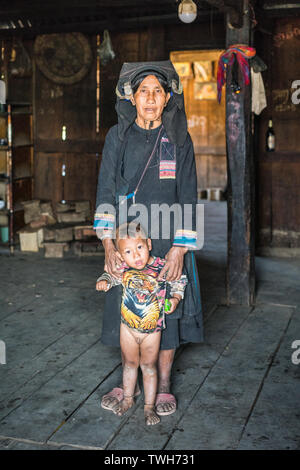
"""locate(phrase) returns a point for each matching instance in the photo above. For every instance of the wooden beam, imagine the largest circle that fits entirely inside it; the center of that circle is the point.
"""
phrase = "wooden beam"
(93, 25)
(232, 8)
(240, 263)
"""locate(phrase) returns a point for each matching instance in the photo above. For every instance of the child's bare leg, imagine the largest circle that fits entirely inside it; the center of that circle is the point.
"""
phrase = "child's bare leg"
(110, 401)
(130, 353)
(148, 364)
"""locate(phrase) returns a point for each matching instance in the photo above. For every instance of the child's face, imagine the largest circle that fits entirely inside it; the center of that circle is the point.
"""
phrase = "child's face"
(135, 251)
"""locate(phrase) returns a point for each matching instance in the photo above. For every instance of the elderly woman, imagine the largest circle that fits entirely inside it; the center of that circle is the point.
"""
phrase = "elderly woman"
(148, 159)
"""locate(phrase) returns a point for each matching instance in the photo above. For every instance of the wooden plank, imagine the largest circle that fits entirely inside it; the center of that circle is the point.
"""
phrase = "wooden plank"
(91, 425)
(240, 266)
(83, 232)
(285, 204)
(264, 209)
(272, 423)
(196, 36)
(190, 369)
(220, 408)
(47, 286)
(55, 249)
(156, 43)
(68, 326)
(81, 172)
(31, 239)
(191, 56)
(217, 171)
(45, 358)
(71, 217)
(280, 169)
(88, 248)
(48, 408)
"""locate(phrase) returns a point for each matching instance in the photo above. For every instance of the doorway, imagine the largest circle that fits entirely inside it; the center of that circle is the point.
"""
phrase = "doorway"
(206, 118)
(206, 125)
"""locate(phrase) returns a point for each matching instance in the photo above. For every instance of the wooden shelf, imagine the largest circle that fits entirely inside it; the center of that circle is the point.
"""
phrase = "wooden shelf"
(19, 163)
(288, 157)
(18, 178)
(8, 147)
(14, 146)
(18, 208)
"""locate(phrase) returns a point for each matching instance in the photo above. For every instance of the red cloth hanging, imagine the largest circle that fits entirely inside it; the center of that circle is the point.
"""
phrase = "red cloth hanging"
(242, 53)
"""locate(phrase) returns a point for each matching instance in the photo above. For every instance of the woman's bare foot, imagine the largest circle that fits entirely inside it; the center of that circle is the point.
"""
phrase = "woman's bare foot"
(150, 415)
(123, 406)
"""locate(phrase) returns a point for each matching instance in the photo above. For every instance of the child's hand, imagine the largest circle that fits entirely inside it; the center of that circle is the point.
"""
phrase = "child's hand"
(174, 301)
(102, 285)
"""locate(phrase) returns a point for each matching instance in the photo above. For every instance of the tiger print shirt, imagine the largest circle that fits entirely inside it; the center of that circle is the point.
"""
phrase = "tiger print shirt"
(143, 298)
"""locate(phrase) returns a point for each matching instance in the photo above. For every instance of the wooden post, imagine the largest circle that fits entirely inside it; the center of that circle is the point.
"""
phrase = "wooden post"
(240, 275)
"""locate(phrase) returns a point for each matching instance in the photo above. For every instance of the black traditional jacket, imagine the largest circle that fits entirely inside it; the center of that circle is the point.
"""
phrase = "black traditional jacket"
(146, 169)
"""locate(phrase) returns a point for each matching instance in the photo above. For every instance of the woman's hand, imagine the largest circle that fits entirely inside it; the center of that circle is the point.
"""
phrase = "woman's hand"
(174, 265)
(113, 261)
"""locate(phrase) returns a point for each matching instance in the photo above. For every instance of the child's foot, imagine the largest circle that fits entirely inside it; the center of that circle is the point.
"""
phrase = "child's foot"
(123, 406)
(112, 399)
(150, 415)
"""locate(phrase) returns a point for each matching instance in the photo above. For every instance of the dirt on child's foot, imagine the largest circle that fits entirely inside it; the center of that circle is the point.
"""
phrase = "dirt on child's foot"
(123, 406)
(112, 399)
(151, 417)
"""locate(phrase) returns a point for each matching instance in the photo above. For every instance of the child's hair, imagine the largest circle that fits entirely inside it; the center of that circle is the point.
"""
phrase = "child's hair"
(129, 230)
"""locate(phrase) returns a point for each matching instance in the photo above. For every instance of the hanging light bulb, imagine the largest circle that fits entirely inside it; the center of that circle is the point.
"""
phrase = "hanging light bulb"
(187, 11)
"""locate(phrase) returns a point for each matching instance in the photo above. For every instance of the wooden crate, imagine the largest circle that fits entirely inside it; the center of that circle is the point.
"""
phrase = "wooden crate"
(71, 217)
(55, 249)
(31, 239)
(4, 219)
(88, 248)
(83, 232)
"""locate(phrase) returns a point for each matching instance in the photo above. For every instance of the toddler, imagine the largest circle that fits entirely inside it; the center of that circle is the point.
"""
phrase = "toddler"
(143, 310)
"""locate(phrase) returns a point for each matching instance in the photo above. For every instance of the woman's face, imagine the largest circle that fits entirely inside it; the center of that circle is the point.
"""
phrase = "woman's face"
(150, 100)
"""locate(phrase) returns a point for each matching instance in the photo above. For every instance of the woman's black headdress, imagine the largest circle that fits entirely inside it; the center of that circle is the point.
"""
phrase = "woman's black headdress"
(173, 117)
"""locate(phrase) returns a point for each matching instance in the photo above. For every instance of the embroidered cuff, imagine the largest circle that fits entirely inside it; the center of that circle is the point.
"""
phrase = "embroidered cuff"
(104, 225)
(178, 287)
(112, 281)
(186, 238)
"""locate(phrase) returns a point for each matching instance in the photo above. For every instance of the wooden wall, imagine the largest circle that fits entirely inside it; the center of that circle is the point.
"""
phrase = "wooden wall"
(278, 173)
(75, 107)
(205, 117)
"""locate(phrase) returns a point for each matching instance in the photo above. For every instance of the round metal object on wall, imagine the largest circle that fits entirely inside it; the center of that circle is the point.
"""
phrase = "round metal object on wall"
(63, 58)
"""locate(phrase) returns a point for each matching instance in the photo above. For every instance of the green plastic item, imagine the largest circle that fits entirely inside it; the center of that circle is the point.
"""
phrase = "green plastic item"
(4, 234)
(167, 305)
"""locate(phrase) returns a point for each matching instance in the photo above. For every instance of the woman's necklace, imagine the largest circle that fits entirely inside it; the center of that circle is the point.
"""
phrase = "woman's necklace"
(147, 128)
(148, 133)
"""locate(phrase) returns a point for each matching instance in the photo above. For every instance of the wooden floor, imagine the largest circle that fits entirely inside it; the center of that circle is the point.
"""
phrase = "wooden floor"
(238, 390)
